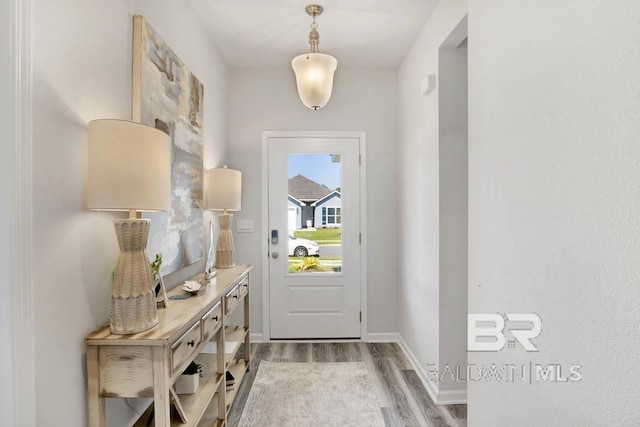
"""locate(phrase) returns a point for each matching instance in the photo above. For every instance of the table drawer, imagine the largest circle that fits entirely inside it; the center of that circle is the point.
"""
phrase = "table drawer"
(243, 287)
(184, 347)
(231, 299)
(211, 321)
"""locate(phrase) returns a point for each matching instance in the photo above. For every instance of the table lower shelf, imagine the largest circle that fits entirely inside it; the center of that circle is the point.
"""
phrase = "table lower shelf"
(200, 404)
(201, 407)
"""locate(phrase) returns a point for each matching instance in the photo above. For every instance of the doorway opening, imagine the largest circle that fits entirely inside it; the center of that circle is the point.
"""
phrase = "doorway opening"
(453, 206)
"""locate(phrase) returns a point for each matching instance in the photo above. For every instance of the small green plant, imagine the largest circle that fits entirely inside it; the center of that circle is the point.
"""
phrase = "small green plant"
(192, 369)
(155, 267)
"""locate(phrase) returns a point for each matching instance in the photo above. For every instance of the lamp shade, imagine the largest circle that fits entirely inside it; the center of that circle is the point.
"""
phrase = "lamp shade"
(129, 167)
(314, 77)
(224, 189)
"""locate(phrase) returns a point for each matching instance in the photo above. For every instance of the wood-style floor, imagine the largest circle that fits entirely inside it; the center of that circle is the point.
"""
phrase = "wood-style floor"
(402, 397)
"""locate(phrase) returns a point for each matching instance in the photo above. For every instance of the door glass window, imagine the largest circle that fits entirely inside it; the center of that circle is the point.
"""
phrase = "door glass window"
(314, 208)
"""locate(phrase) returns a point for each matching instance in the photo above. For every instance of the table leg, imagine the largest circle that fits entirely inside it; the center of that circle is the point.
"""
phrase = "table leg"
(96, 402)
(160, 388)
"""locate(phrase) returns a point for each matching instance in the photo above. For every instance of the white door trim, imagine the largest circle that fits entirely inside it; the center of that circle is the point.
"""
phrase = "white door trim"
(23, 339)
(266, 135)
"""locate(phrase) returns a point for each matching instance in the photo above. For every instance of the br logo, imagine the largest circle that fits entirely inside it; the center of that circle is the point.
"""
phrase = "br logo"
(486, 331)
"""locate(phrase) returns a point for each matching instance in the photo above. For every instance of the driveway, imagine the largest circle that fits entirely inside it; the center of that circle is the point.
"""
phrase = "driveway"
(330, 251)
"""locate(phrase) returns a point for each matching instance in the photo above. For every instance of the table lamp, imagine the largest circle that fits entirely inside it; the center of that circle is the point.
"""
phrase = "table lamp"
(224, 191)
(130, 170)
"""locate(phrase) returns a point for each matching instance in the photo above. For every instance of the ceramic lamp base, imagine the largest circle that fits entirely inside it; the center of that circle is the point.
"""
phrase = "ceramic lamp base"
(226, 251)
(133, 297)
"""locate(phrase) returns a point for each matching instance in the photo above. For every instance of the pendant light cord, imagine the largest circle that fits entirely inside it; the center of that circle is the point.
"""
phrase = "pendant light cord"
(314, 36)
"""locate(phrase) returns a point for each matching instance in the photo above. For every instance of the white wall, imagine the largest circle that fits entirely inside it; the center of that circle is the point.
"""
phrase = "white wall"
(82, 71)
(419, 192)
(554, 202)
(363, 100)
(453, 214)
(7, 217)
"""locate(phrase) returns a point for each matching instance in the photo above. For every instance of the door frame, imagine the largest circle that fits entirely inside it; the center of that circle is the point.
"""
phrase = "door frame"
(362, 137)
(21, 347)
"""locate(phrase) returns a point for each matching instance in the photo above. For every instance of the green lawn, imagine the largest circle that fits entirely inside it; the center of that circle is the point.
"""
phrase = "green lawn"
(321, 235)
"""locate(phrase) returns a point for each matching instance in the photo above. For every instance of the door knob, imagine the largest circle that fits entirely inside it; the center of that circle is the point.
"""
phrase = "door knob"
(275, 255)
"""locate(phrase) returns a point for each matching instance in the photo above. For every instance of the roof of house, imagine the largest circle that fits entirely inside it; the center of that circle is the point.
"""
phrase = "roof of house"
(294, 200)
(327, 197)
(307, 190)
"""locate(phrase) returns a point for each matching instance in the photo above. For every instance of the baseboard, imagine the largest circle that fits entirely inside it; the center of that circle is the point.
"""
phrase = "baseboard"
(432, 387)
(382, 337)
(444, 397)
(376, 337)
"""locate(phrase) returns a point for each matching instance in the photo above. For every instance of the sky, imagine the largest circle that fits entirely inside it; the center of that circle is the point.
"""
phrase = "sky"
(317, 167)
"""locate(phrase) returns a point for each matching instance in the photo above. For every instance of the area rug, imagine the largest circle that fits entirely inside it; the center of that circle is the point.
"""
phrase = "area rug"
(312, 395)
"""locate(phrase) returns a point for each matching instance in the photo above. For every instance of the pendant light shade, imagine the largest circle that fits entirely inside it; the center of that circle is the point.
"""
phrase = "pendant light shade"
(314, 70)
(314, 77)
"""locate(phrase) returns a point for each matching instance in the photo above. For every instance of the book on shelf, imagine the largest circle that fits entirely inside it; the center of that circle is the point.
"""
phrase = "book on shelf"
(230, 380)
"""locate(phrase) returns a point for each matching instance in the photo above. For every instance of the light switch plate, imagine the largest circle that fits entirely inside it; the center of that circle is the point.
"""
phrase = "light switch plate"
(244, 226)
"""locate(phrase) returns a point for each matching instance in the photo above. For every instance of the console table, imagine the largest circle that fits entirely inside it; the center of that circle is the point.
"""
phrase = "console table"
(148, 363)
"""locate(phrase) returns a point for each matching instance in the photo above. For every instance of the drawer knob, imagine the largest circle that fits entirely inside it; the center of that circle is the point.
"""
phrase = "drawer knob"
(215, 318)
(235, 296)
(191, 343)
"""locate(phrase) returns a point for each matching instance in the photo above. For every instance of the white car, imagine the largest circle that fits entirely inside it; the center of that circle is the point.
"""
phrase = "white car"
(303, 247)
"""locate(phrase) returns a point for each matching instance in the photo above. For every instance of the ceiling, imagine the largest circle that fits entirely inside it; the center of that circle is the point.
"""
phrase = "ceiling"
(269, 33)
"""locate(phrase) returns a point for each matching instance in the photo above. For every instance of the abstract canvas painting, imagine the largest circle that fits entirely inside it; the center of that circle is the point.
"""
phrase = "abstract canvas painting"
(167, 96)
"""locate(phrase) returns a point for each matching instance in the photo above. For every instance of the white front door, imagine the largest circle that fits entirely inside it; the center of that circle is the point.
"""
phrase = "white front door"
(314, 296)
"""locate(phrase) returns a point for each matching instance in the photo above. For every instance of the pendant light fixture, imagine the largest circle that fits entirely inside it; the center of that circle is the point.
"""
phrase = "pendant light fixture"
(314, 70)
